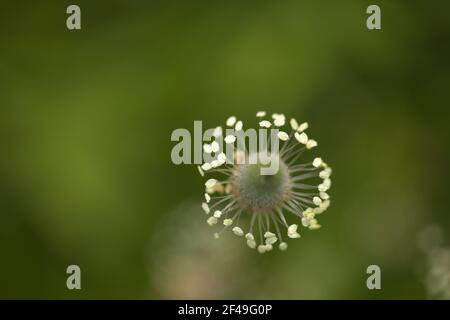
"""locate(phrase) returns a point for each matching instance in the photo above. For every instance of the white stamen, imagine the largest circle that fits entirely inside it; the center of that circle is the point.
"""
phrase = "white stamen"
(324, 174)
(205, 207)
(283, 246)
(302, 127)
(279, 122)
(265, 124)
(214, 146)
(317, 162)
(238, 231)
(301, 137)
(292, 231)
(249, 236)
(311, 144)
(314, 226)
(251, 244)
(216, 163)
(325, 204)
(206, 166)
(210, 183)
(305, 221)
(218, 132)
(261, 114)
(283, 136)
(230, 139)
(239, 126)
(211, 221)
(294, 124)
(207, 148)
(200, 171)
(324, 195)
(228, 222)
(317, 201)
(222, 158)
(292, 228)
(269, 234)
(231, 121)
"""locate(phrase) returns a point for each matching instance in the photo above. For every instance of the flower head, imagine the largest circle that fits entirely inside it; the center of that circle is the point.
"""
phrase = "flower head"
(274, 205)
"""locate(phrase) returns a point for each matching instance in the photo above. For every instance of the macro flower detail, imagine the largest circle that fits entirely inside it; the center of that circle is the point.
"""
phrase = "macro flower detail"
(265, 209)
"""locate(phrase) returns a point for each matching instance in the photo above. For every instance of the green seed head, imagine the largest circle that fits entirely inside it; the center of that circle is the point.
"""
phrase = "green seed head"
(260, 193)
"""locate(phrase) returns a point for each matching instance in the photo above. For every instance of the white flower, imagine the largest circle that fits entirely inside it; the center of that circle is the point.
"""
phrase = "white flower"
(231, 121)
(243, 204)
(283, 136)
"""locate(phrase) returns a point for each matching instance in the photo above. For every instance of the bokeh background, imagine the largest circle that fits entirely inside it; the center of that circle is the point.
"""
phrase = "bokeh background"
(85, 123)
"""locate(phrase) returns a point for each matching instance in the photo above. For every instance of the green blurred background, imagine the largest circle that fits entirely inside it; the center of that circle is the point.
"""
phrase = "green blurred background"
(85, 123)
